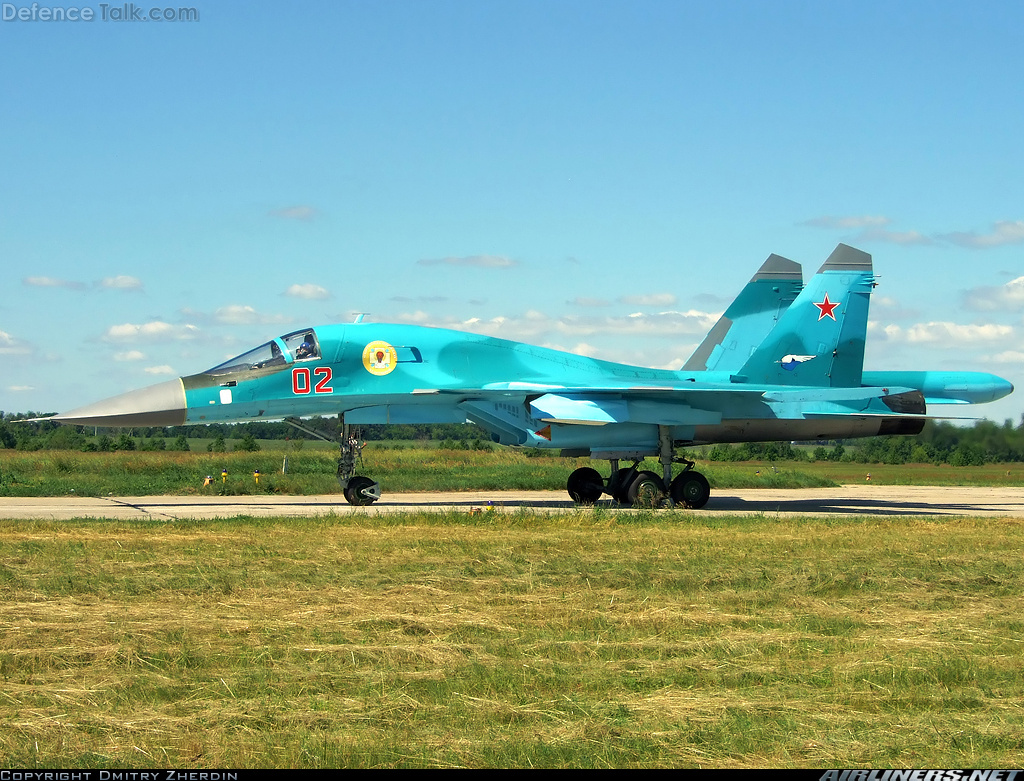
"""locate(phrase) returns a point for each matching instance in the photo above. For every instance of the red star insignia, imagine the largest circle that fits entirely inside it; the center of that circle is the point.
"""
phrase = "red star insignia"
(826, 308)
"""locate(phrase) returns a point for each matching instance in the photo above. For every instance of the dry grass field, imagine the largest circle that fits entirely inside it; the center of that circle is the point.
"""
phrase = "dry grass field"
(586, 639)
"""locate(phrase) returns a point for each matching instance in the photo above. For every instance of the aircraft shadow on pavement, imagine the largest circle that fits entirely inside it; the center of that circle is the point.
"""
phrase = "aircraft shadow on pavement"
(844, 507)
(736, 504)
(718, 504)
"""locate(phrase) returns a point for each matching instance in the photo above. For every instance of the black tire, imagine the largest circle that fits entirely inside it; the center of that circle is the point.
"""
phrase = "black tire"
(355, 491)
(585, 485)
(690, 490)
(618, 485)
(646, 490)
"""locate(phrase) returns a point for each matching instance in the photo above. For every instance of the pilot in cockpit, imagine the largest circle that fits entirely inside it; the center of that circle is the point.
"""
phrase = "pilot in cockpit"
(307, 349)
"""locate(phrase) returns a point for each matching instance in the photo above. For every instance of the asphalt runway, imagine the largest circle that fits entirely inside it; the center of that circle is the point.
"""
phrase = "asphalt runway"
(863, 500)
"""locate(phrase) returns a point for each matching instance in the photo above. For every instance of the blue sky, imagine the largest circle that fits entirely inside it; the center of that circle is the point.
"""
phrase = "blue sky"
(601, 177)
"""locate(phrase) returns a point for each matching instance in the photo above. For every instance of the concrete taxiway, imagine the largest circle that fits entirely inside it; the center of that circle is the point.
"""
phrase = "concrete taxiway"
(863, 500)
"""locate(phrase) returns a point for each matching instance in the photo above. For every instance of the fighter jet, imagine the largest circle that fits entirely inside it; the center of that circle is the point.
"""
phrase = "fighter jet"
(785, 362)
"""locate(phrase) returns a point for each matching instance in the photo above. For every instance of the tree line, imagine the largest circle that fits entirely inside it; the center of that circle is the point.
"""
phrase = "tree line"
(18, 432)
(941, 442)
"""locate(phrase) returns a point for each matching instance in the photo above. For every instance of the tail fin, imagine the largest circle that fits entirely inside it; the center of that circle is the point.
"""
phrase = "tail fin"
(819, 341)
(749, 318)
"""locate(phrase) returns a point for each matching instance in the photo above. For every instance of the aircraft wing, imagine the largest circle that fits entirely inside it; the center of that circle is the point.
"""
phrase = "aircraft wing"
(681, 404)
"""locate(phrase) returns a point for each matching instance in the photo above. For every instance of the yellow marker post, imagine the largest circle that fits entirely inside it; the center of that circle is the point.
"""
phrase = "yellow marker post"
(256, 475)
(208, 481)
(224, 475)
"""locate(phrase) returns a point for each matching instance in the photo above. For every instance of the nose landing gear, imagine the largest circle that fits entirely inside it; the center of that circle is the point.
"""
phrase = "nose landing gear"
(358, 490)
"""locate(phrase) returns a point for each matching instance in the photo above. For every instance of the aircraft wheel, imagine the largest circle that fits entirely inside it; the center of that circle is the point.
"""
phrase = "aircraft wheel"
(362, 491)
(691, 490)
(618, 486)
(585, 485)
(646, 490)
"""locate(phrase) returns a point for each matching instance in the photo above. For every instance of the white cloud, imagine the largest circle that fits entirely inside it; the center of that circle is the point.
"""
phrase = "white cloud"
(847, 223)
(651, 299)
(121, 282)
(165, 369)
(536, 327)
(20, 388)
(129, 355)
(53, 282)
(905, 238)
(240, 314)
(10, 345)
(583, 348)
(153, 331)
(588, 302)
(1008, 356)
(420, 299)
(308, 291)
(944, 333)
(1008, 297)
(1002, 233)
(303, 213)
(872, 228)
(891, 309)
(476, 261)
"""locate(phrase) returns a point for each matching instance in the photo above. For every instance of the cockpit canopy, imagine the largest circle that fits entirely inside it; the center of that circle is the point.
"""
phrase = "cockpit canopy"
(275, 355)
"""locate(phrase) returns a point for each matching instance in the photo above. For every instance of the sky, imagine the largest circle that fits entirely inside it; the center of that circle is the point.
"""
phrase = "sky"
(595, 176)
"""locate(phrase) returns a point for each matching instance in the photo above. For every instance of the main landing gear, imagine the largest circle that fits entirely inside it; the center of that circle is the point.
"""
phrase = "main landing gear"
(642, 488)
(358, 490)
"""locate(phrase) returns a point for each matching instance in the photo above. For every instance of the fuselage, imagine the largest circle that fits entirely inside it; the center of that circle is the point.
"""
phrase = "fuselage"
(523, 394)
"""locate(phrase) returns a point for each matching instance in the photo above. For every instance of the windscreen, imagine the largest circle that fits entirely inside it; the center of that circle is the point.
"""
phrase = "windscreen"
(277, 354)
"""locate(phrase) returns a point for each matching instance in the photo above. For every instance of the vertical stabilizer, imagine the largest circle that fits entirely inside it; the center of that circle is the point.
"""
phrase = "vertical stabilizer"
(749, 318)
(819, 341)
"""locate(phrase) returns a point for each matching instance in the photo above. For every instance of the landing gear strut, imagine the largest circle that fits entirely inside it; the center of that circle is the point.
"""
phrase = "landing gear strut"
(358, 490)
(641, 488)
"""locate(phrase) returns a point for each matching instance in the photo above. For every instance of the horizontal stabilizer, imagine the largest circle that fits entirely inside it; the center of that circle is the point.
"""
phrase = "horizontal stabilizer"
(833, 394)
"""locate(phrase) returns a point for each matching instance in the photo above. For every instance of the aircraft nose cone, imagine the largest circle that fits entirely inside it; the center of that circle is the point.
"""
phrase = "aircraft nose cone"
(157, 405)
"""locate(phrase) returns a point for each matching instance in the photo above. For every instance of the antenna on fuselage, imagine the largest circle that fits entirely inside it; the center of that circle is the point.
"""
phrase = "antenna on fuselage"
(360, 316)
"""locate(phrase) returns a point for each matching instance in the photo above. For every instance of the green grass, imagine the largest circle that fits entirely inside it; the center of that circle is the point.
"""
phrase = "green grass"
(312, 472)
(1006, 474)
(582, 639)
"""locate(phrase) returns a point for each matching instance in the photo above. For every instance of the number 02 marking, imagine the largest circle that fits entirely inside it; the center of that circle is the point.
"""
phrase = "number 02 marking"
(301, 383)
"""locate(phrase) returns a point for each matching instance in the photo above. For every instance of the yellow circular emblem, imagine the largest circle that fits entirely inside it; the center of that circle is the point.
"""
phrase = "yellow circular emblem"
(379, 358)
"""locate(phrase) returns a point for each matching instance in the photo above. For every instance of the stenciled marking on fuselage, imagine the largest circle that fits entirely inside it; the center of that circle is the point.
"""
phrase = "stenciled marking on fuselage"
(302, 382)
(379, 358)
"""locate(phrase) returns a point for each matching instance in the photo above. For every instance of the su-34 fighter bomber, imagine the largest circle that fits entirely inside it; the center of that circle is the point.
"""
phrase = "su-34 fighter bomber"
(785, 362)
